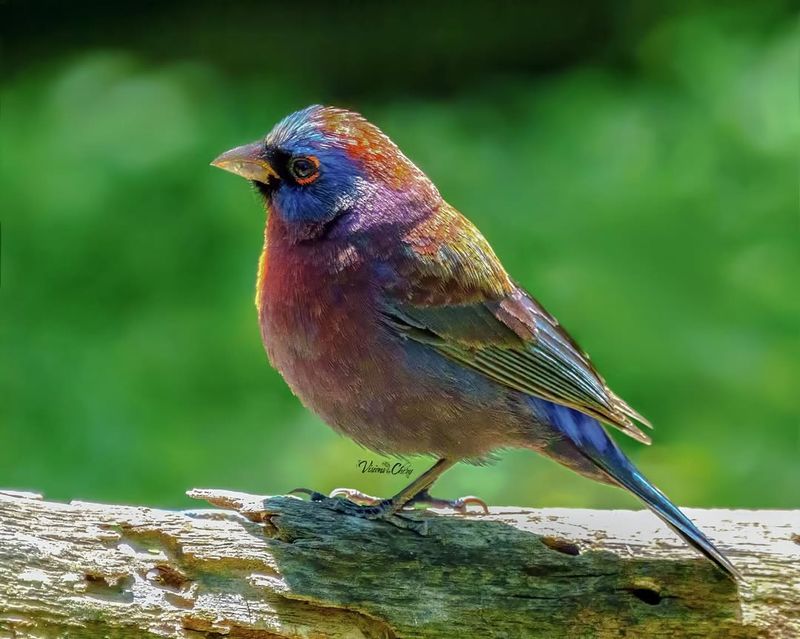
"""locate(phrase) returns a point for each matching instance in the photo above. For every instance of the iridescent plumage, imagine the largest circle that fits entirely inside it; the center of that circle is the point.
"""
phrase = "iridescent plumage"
(390, 316)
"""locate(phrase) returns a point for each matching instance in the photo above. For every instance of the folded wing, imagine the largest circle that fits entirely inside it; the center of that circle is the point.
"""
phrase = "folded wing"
(458, 300)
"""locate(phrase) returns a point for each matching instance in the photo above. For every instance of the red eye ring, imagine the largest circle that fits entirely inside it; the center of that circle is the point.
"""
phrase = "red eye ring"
(304, 169)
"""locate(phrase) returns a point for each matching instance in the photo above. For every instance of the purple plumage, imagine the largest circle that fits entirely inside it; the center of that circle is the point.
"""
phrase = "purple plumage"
(390, 316)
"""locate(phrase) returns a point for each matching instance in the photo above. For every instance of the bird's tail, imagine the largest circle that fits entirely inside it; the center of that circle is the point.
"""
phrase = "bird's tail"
(629, 477)
(595, 445)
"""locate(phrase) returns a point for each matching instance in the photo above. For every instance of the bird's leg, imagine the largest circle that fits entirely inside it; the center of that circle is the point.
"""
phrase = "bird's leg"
(386, 508)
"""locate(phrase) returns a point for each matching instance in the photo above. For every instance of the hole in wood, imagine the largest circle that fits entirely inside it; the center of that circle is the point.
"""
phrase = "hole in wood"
(561, 545)
(647, 595)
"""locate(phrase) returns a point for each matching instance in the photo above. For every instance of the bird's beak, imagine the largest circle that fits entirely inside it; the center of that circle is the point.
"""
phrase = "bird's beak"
(248, 162)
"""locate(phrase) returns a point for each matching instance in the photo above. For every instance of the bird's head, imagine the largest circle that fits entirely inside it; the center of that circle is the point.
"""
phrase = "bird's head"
(322, 162)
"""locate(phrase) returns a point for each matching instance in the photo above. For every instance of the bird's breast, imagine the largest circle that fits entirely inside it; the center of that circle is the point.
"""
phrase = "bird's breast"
(323, 330)
(318, 319)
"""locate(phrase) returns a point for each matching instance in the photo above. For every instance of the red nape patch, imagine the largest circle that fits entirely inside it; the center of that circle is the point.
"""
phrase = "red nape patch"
(367, 144)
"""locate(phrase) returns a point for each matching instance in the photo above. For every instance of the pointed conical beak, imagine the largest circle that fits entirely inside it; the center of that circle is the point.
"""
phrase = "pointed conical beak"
(247, 161)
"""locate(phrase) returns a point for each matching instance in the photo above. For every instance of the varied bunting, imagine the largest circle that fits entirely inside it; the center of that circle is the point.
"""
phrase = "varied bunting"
(389, 315)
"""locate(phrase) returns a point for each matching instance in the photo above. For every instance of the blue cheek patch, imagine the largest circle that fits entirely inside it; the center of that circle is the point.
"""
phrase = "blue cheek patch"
(304, 204)
(321, 200)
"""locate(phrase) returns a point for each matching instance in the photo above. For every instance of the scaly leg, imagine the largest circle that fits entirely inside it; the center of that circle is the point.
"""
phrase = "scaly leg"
(386, 509)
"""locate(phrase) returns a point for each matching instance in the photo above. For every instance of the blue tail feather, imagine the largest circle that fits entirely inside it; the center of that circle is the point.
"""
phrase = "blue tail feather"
(595, 445)
(629, 477)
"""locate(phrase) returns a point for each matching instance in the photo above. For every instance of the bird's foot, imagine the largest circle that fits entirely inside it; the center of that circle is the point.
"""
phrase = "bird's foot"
(460, 505)
(368, 508)
(356, 496)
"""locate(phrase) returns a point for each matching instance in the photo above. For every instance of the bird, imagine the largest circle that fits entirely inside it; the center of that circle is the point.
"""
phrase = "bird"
(390, 316)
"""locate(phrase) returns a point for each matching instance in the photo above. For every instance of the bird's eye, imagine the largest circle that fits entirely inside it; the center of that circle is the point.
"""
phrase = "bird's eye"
(304, 169)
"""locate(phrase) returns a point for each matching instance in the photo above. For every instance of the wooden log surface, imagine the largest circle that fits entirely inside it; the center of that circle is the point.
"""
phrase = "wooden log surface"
(276, 567)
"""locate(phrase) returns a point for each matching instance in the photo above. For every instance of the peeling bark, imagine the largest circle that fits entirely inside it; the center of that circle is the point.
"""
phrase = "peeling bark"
(279, 567)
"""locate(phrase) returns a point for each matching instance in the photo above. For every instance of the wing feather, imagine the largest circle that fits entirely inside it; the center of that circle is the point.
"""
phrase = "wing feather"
(454, 296)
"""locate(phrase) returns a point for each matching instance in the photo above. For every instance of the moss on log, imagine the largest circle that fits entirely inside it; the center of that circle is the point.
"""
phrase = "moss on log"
(279, 567)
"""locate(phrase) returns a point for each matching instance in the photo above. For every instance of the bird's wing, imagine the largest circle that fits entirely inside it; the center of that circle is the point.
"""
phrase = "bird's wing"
(453, 294)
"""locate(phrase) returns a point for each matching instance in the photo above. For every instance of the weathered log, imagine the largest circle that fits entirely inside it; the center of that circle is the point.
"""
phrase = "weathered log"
(282, 567)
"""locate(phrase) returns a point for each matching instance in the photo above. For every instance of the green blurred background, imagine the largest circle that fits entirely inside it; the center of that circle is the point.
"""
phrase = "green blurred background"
(633, 164)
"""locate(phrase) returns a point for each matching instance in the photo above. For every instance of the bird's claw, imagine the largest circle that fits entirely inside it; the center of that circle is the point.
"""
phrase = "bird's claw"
(352, 502)
(356, 496)
(460, 505)
(313, 495)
